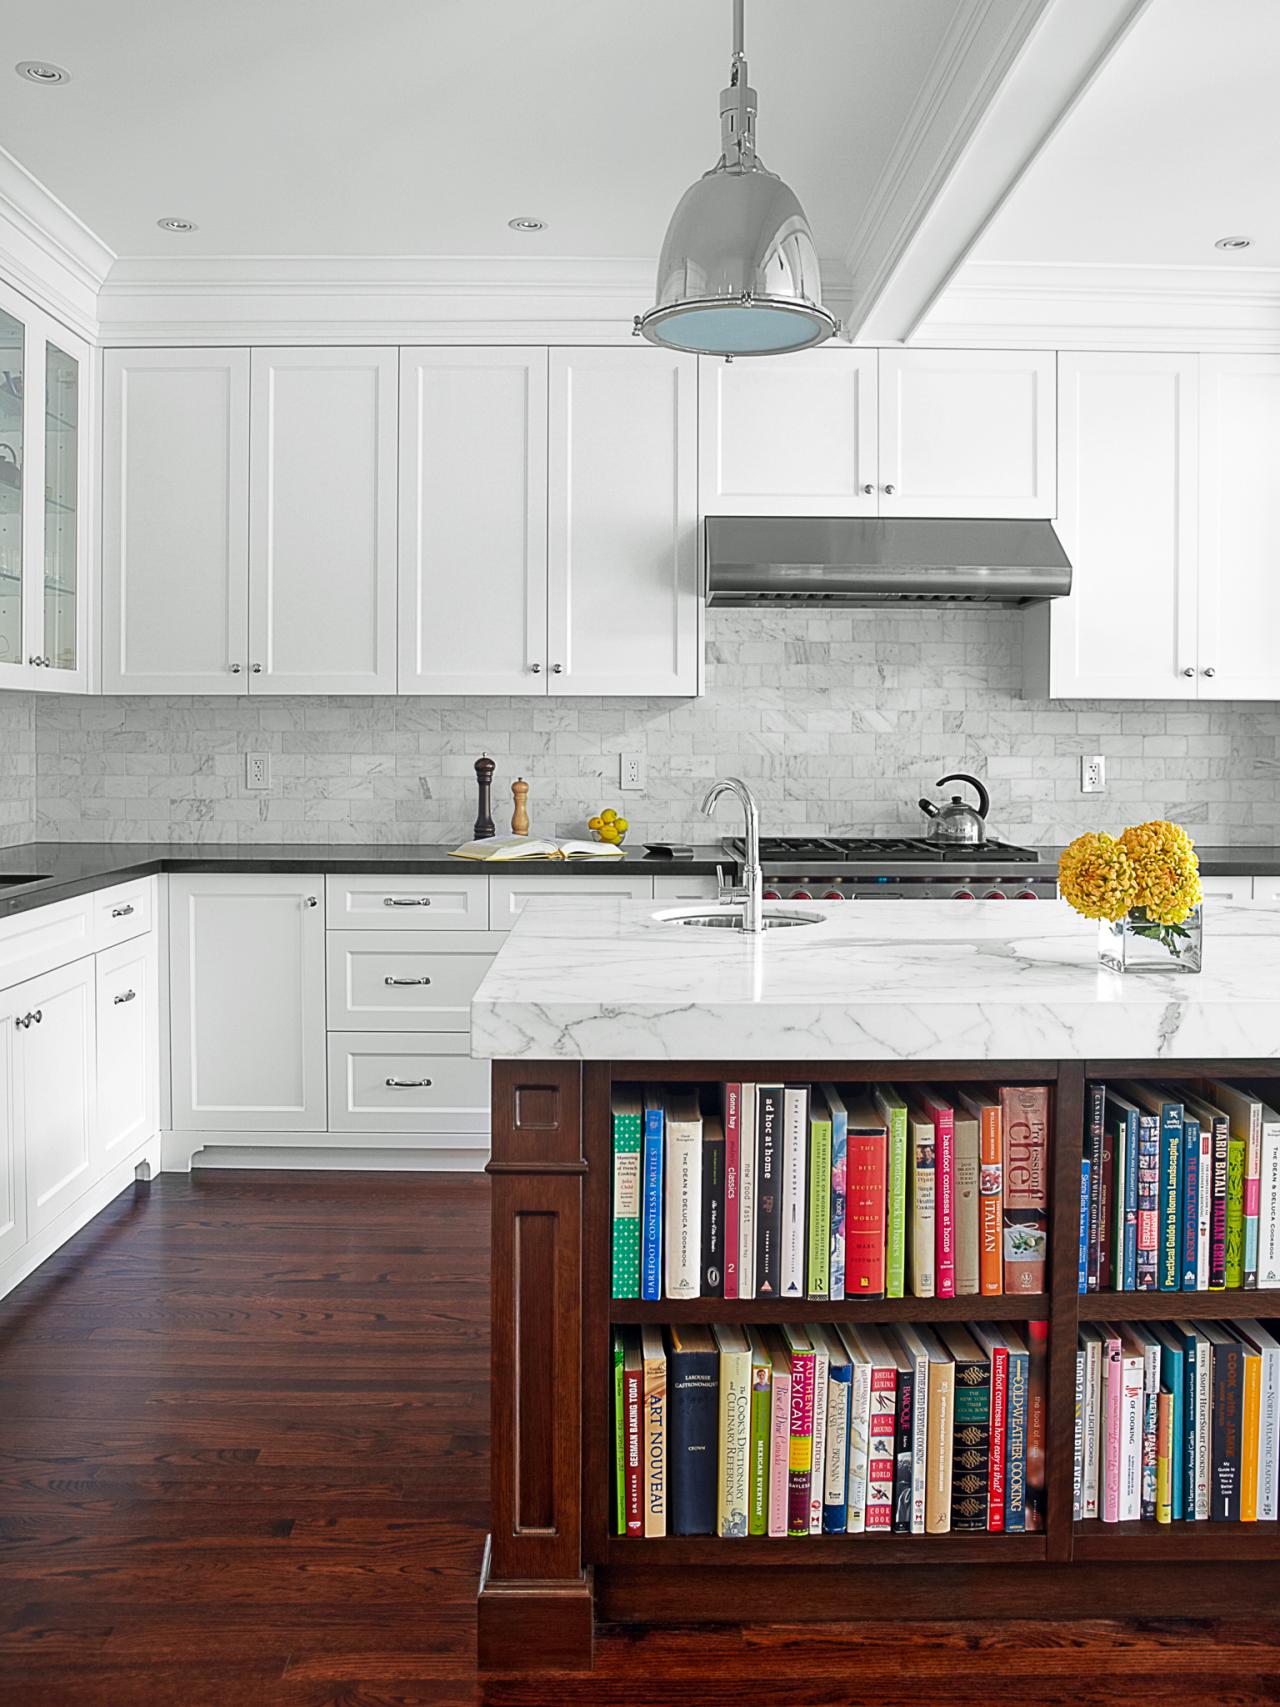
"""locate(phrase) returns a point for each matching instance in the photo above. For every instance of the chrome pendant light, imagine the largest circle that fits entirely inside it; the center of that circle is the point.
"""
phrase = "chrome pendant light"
(738, 274)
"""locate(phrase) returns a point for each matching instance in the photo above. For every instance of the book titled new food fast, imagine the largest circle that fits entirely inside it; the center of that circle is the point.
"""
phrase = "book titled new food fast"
(1024, 1113)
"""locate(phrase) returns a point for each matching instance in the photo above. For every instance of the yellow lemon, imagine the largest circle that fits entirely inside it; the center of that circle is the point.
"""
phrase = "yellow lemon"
(594, 823)
(621, 824)
(608, 816)
(610, 834)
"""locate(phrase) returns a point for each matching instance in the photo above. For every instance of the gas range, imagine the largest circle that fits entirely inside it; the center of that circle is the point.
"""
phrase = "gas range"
(895, 868)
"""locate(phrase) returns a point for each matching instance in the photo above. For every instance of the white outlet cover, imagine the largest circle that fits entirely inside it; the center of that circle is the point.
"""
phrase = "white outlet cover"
(257, 770)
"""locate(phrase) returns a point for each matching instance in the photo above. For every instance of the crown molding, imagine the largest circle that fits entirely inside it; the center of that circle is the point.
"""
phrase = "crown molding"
(46, 252)
(992, 305)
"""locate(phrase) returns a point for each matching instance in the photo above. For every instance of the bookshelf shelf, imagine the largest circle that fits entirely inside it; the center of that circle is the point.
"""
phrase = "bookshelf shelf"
(873, 1550)
(1169, 1306)
(759, 1312)
(1154, 1542)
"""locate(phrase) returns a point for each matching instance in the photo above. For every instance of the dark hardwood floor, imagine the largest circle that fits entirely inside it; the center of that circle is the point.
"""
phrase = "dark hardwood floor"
(243, 1434)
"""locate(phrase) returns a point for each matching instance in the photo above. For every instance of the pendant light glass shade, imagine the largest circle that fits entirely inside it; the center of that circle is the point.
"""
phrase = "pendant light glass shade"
(738, 274)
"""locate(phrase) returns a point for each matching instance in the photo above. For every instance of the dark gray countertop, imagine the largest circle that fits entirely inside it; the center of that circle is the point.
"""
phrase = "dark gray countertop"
(66, 869)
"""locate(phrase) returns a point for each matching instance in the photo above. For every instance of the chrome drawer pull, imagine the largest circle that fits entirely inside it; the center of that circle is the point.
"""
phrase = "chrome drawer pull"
(394, 981)
(396, 901)
(408, 1084)
(27, 1020)
(128, 996)
(122, 912)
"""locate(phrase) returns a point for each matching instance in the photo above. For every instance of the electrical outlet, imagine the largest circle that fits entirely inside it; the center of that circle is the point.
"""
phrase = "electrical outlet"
(1093, 773)
(631, 770)
(257, 770)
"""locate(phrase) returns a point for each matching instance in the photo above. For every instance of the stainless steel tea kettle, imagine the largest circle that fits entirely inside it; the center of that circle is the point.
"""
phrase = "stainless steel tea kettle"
(957, 824)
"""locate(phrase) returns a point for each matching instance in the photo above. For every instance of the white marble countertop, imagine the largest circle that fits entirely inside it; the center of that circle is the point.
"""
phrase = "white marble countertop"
(876, 980)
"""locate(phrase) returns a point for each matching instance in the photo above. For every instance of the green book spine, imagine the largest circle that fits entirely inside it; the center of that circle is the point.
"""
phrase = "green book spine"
(758, 1469)
(895, 1267)
(819, 1208)
(619, 1442)
(1235, 1212)
(627, 1132)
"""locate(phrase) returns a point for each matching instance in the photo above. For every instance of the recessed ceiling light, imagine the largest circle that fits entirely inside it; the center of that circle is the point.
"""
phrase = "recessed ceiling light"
(1234, 243)
(41, 71)
(177, 224)
(527, 223)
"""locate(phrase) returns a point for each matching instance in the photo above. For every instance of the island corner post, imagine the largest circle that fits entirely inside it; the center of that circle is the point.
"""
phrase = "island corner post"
(550, 1564)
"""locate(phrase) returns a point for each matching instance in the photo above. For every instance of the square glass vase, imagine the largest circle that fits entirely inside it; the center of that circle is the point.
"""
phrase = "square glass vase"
(1136, 943)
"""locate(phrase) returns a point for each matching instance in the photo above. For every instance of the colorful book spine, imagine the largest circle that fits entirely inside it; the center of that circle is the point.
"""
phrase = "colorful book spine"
(1227, 1429)
(1077, 1455)
(628, 1134)
(941, 1422)
(1082, 1266)
(1015, 1476)
(747, 1193)
(1025, 1119)
(732, 1186)
(999, 1439)
(991, 1201)
(761, 1437)
(967, 1215)
(734, 1433)
(1131, 1430)
(1190, 1199)
(1204, 1229)
(1218, 1216)
(1094, 1137)
(865, 1212)
(971, 1445)
(768, 1191)
(651, 1208)
(795, 1179)
(1169, 1267)
(1164, 1457)
(654, 1360)
(779, 1440)
(1112, 1426)
(904, 1452)
(818, 1451)
(835, 1509)
(1269, 1204)
(1130, 1244)
(1037, 1423)
(1234, 1267)
(881, 1440)
(633, 1401)
(839, 1186)
(923, 1177)
(1251, 1417)
(619, 1439)
(945, 1139)
(714, 1207)
(1148, 1201)
(692, 1434)
(800, 1455)
(895, 1261)
(1106, 1209)
(820, 1205)
(859, 1435)
(682, 1191)
(1252, 1196)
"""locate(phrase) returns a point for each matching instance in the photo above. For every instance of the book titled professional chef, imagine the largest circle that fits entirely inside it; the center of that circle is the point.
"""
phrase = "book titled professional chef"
(1024, 1113)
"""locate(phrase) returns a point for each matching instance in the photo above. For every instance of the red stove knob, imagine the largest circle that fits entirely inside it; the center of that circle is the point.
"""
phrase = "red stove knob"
(833, 895)
(801, 895)
(963, 895)
(771, 895)
(1027, 895)
(995, 895)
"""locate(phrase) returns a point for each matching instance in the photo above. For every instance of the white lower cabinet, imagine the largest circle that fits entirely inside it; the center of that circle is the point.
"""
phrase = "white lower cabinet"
(54, 1087)
(247, 999)
(387, 1081)
(406, 980)
(128, 1040)
(508, 894)
(13, 1197)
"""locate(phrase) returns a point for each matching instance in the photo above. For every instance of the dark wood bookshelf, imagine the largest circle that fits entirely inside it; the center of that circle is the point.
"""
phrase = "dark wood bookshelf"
(1153, 1542)
(759, 1312)
(1169, 1306)
(866, 1549)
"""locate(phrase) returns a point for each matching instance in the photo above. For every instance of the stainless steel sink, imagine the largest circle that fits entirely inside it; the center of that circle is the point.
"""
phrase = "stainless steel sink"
(731, 920)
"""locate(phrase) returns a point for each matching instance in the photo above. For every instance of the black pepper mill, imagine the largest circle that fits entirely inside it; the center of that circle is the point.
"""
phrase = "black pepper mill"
(484, 782)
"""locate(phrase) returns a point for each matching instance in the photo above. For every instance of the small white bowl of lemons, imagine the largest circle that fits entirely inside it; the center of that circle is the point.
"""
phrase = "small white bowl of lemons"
(608, 827)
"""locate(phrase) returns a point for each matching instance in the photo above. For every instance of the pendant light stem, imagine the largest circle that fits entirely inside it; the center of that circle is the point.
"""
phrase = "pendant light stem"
(739, 28)
(737, 113)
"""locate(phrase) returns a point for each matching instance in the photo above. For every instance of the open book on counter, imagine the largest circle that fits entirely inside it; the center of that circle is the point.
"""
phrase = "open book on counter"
(535, 847)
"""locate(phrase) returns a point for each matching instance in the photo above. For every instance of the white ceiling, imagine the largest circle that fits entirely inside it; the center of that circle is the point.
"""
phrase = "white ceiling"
(419, 127)
(1176, 143)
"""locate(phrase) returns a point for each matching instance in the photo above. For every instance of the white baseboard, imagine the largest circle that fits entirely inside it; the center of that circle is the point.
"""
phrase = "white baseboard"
(333, 1151)
(142, 1163)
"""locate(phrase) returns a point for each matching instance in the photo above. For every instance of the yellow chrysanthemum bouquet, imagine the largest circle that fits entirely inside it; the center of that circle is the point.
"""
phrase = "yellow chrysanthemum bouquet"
(1146, 882)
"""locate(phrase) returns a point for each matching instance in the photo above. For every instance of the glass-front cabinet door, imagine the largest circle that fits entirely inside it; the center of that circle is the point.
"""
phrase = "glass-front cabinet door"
(44, 380)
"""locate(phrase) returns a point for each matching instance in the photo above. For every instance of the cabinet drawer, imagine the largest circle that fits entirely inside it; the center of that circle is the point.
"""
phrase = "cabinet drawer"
(508, 893)
(387, 1081)
(35, 942)
(399, 902)
(692, 886)
(126, 911)
(406, 980)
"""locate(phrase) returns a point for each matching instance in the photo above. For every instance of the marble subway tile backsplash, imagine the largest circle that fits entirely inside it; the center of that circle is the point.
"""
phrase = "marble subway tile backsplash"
(838, 721)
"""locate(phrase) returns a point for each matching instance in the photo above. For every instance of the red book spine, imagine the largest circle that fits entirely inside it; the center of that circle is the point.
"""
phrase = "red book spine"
(1026, 1186)
(864, 1216)
(800, 1463)
(632, 1382)
(1037, 1422)
(944, 1122)
(732, 1165)
(999, 1437)
(880, 1443)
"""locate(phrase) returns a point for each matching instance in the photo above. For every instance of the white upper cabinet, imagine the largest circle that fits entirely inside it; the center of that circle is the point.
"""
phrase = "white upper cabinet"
(967, 433)
(45, 379)
(473, 521)
(622, 575)
(789, 436)
(1127, 486)
(1239, 527)
(322, 521)
(175, 536)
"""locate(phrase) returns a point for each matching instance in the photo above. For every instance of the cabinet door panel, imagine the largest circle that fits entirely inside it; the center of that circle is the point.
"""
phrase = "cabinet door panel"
(1239, 527)
(55, 1090)
(13, 1197)
(791, 436)
(248, 1003)
(406, 980)
(322, 560)
(967, 433)
(128, 1041)
(623, 551)
(175, 535)
(473, 521)
(1127, 438)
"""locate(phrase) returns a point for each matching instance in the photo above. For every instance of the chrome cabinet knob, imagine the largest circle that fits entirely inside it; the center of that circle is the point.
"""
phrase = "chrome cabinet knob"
(890, 490)
(312, 901)
(257, 669)
(535, 669)
(1211, 671)
(235, 669)
(127, 996)
(557, 669)
(1188, 671)
(868, 489)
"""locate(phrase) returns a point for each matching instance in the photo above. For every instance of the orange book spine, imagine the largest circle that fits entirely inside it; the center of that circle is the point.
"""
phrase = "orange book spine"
(990, 1203)
(1251, 1419)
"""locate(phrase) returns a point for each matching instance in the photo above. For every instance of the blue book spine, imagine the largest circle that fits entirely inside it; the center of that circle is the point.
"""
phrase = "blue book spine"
(1130, 1253)
(835, 1514)
(1148, 1201)
(1189, 1431)
(1015, 1458)
(1169, 1267)
(1086, 1175)
(1190, 1200)
(1173, 1378)
(651, 1233)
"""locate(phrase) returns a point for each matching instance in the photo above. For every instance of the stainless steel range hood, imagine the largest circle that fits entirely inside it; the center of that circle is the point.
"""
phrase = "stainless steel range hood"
(851, 560)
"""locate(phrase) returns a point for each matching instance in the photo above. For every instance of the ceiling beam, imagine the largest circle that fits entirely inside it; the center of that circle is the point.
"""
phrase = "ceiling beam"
(999, 87)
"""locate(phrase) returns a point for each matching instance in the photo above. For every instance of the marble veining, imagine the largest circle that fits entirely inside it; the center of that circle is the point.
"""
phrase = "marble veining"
(905, 980)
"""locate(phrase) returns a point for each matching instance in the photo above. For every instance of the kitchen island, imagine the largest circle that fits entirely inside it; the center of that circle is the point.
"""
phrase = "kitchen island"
(905, 992)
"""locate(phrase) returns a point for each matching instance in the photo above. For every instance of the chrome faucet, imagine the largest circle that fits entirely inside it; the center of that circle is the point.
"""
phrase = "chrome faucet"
(751, 894)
